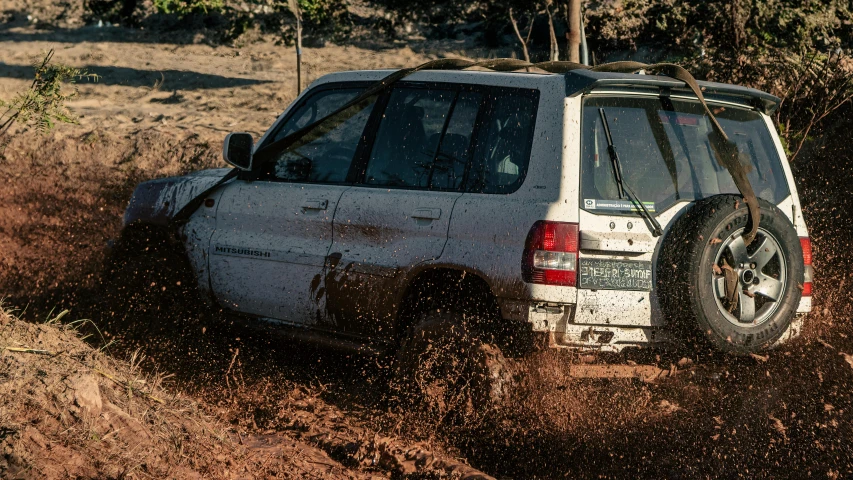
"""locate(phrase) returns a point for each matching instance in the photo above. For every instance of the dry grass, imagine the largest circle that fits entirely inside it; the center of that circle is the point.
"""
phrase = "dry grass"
(70, 411)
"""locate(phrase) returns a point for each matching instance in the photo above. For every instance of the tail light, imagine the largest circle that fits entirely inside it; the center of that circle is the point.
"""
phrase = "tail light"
(551, 254)
(806, 245)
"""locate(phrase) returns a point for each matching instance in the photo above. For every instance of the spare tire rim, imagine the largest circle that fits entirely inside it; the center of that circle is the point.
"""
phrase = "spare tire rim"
(761, 275)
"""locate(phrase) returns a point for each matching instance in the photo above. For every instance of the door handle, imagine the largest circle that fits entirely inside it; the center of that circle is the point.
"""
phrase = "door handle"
(315, 204)
(427, 213)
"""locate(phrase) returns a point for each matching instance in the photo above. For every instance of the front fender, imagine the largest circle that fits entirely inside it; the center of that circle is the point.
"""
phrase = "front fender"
(155, 202)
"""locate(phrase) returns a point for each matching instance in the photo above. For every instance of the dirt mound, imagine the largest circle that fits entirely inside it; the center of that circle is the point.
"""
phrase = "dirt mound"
(64, 198)
(70, 411)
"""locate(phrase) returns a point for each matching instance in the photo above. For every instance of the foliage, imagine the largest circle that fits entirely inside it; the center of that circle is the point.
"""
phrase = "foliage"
(322, 13)
(813, 89)
(43, 104)
(320, 19)
(686, 27)
(185, 7)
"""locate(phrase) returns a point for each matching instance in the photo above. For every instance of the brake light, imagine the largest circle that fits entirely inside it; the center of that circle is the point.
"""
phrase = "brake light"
(551, 254)
(806, 244)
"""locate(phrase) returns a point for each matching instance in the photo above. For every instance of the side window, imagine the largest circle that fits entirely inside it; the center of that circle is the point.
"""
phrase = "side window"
(454, 153)
(408, 137)
(502, 152)
(325, 154)
(314, 108)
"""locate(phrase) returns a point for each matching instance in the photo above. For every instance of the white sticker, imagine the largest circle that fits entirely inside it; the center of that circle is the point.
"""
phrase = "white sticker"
(621, 205)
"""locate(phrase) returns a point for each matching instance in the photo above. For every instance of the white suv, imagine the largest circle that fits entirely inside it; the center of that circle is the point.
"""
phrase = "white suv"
(459, 195)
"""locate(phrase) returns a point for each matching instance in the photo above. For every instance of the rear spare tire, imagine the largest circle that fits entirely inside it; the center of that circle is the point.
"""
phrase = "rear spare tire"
(716, 290)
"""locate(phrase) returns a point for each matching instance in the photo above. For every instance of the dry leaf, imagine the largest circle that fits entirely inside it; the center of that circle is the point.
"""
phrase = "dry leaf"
(760, 358)
(779, 426)
(847, 358)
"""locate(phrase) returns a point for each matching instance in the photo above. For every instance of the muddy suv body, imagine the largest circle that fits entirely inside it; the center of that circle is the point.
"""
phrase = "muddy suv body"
(495, 193)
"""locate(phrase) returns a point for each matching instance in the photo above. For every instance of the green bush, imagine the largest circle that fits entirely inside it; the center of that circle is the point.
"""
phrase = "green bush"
(185, 7)
(43, 104)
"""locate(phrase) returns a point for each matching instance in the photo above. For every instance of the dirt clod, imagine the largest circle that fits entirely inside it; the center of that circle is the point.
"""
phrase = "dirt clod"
(87, 394)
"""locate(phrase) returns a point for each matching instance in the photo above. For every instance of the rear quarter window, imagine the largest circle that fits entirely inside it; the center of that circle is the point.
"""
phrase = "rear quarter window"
(504, 141)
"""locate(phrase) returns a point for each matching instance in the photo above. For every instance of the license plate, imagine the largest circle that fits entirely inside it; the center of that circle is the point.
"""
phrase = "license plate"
(598, 274)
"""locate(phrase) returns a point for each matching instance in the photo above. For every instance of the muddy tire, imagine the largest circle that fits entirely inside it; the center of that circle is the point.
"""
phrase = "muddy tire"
(447, 371)
(719, 292)
(146, 274)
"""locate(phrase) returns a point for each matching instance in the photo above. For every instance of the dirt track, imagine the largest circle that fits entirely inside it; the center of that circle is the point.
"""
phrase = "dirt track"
(788, 416)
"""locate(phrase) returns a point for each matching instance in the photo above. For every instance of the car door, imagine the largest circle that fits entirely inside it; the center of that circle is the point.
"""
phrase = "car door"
(273, 233)
(399, 214)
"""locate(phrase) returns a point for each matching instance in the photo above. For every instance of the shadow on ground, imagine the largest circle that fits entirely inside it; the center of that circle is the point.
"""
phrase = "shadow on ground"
(135, 77)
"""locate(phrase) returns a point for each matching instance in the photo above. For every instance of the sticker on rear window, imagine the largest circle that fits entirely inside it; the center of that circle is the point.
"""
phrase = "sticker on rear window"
(598, 274)
(615, 205)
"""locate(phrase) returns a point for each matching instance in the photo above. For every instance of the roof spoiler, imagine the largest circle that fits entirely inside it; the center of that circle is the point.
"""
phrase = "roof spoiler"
(579, 82)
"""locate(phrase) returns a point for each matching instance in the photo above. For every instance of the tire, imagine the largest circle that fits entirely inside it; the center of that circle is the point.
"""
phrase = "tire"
(444, 369)
(702, 304)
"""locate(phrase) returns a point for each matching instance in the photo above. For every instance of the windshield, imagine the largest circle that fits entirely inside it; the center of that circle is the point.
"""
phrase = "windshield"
(665, 154)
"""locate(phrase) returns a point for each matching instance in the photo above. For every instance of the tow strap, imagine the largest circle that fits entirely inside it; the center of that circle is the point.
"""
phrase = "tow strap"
(724, 149)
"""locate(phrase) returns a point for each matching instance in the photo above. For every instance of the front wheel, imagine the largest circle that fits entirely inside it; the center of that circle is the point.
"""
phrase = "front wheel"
(445, 369)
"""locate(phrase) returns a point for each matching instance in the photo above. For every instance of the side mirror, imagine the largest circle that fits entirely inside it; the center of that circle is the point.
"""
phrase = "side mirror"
(237, 150)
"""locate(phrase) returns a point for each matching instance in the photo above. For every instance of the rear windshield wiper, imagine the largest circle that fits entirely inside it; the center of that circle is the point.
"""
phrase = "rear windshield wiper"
(625, 189)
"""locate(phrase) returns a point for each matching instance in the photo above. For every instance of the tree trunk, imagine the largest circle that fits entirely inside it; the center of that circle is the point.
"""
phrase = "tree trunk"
(298, 56)
(555, 49)
(520, 38)
(294, 8)
(574, 34)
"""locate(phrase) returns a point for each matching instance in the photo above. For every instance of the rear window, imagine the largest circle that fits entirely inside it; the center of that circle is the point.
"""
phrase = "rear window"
(666, 156)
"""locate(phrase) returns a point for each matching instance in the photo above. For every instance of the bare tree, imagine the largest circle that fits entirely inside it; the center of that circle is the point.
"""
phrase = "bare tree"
(817, 87)
(294, 7)
(555, 50)
(524, 41)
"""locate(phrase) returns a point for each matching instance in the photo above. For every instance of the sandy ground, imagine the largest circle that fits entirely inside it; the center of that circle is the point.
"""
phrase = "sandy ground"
(162, 106)
(148, 82)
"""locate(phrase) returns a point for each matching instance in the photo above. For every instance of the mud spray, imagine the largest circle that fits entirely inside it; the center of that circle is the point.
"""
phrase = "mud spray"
(788, 414)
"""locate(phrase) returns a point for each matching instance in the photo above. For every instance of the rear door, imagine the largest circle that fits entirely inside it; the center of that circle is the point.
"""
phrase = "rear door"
(273, 234)
(399, 215)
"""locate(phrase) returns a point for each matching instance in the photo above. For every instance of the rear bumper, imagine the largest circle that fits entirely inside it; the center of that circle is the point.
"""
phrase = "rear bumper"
(558, 321)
